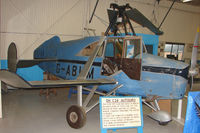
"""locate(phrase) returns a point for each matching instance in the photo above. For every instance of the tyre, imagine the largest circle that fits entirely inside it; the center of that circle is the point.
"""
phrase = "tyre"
(76, 116)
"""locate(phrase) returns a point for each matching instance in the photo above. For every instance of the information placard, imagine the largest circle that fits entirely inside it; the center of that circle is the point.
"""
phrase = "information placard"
(121, 112)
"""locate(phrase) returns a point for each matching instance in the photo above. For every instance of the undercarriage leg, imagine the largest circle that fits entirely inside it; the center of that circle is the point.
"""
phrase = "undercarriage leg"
(79, 95)
(156, 104)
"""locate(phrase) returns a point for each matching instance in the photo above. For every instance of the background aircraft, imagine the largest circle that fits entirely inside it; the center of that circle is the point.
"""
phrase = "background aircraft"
(106, 64)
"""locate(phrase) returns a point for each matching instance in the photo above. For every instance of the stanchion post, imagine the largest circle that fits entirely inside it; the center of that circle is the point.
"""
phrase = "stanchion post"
(1, 113)
(179, 109)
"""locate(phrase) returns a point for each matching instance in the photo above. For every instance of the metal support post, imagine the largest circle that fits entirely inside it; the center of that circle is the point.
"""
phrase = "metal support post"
(1, 113)
(156, 105)
(179, 109)
(79, 96)
(89, 97)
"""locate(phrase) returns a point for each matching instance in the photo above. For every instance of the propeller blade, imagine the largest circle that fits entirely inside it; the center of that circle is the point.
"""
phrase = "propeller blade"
(193, 69)
(195, 51)
(139, 18)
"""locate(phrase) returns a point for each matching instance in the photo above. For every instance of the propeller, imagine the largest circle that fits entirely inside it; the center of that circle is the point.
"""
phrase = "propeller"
(193, 69)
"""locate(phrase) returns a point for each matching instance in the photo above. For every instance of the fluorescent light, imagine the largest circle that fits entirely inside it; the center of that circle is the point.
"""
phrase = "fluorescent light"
(186, 0)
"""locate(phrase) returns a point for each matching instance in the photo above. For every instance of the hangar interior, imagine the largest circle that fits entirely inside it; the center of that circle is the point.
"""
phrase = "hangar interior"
(30, 23)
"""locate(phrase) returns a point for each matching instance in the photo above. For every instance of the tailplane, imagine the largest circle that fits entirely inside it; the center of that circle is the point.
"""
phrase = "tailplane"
(14, 63)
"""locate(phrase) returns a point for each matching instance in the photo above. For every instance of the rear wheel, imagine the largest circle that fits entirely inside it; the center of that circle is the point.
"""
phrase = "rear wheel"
(76, 116)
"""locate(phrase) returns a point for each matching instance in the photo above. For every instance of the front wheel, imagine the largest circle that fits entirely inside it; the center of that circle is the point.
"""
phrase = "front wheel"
(76, 116)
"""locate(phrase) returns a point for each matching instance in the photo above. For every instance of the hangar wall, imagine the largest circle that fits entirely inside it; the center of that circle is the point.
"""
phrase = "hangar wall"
(29, 23)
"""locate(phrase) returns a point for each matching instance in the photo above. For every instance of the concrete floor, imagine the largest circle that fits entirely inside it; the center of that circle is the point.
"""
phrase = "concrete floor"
(25, 111)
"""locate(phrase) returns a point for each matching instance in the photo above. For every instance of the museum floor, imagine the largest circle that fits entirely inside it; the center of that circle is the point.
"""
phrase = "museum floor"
(25, 111)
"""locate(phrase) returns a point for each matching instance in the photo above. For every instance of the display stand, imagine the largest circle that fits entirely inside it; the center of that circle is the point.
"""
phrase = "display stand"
(121, 112)
(1, 112)
(192, 120)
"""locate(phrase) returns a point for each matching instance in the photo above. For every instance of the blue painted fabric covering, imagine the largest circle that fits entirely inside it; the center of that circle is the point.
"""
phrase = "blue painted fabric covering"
(192, 121)
(30, 73)
(35, 73)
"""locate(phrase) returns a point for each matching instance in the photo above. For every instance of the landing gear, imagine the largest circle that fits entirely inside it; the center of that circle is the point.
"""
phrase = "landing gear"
(162, 117)
(76, 116)
(163, 123)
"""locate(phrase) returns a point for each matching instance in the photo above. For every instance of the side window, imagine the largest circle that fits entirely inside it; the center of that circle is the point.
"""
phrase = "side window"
(131, 48)
(174, 50)
(114, 48)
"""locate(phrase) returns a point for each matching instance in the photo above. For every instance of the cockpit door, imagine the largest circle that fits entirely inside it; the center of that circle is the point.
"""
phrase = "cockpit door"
(132, 57)
(123, 53)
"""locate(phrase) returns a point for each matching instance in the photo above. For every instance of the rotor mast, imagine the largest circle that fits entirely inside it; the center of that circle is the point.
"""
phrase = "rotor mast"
(118, 17)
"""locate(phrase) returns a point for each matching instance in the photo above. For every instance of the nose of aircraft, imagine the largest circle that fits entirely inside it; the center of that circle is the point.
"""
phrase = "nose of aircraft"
(163, 65)
(156, 61)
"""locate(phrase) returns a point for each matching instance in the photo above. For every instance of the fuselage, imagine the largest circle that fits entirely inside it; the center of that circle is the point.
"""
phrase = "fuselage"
(158, 76)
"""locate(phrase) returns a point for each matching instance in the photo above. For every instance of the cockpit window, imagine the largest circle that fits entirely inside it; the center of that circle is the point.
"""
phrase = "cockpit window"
(114, 47)
(131, 48)
(123, 47)
(123, 53)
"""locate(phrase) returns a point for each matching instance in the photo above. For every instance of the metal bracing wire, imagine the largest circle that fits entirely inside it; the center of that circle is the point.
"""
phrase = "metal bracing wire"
(102, 20)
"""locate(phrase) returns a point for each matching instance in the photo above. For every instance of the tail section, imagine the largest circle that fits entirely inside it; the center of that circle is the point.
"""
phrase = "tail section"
(14, 63)
(12, 57)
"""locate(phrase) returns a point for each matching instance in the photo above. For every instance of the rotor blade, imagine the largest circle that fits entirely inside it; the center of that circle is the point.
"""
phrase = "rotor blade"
(112, 15)
(195, 51)
(139, 18)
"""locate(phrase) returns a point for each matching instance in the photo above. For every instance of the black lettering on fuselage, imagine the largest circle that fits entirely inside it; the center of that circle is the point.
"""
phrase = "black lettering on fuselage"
(79, 69)
(58, 68)
(91, 74)
(68, 70)
(74, 69)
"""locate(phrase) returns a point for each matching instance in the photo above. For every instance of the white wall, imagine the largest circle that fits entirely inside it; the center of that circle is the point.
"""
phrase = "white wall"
(68, 17)
(24, 21)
